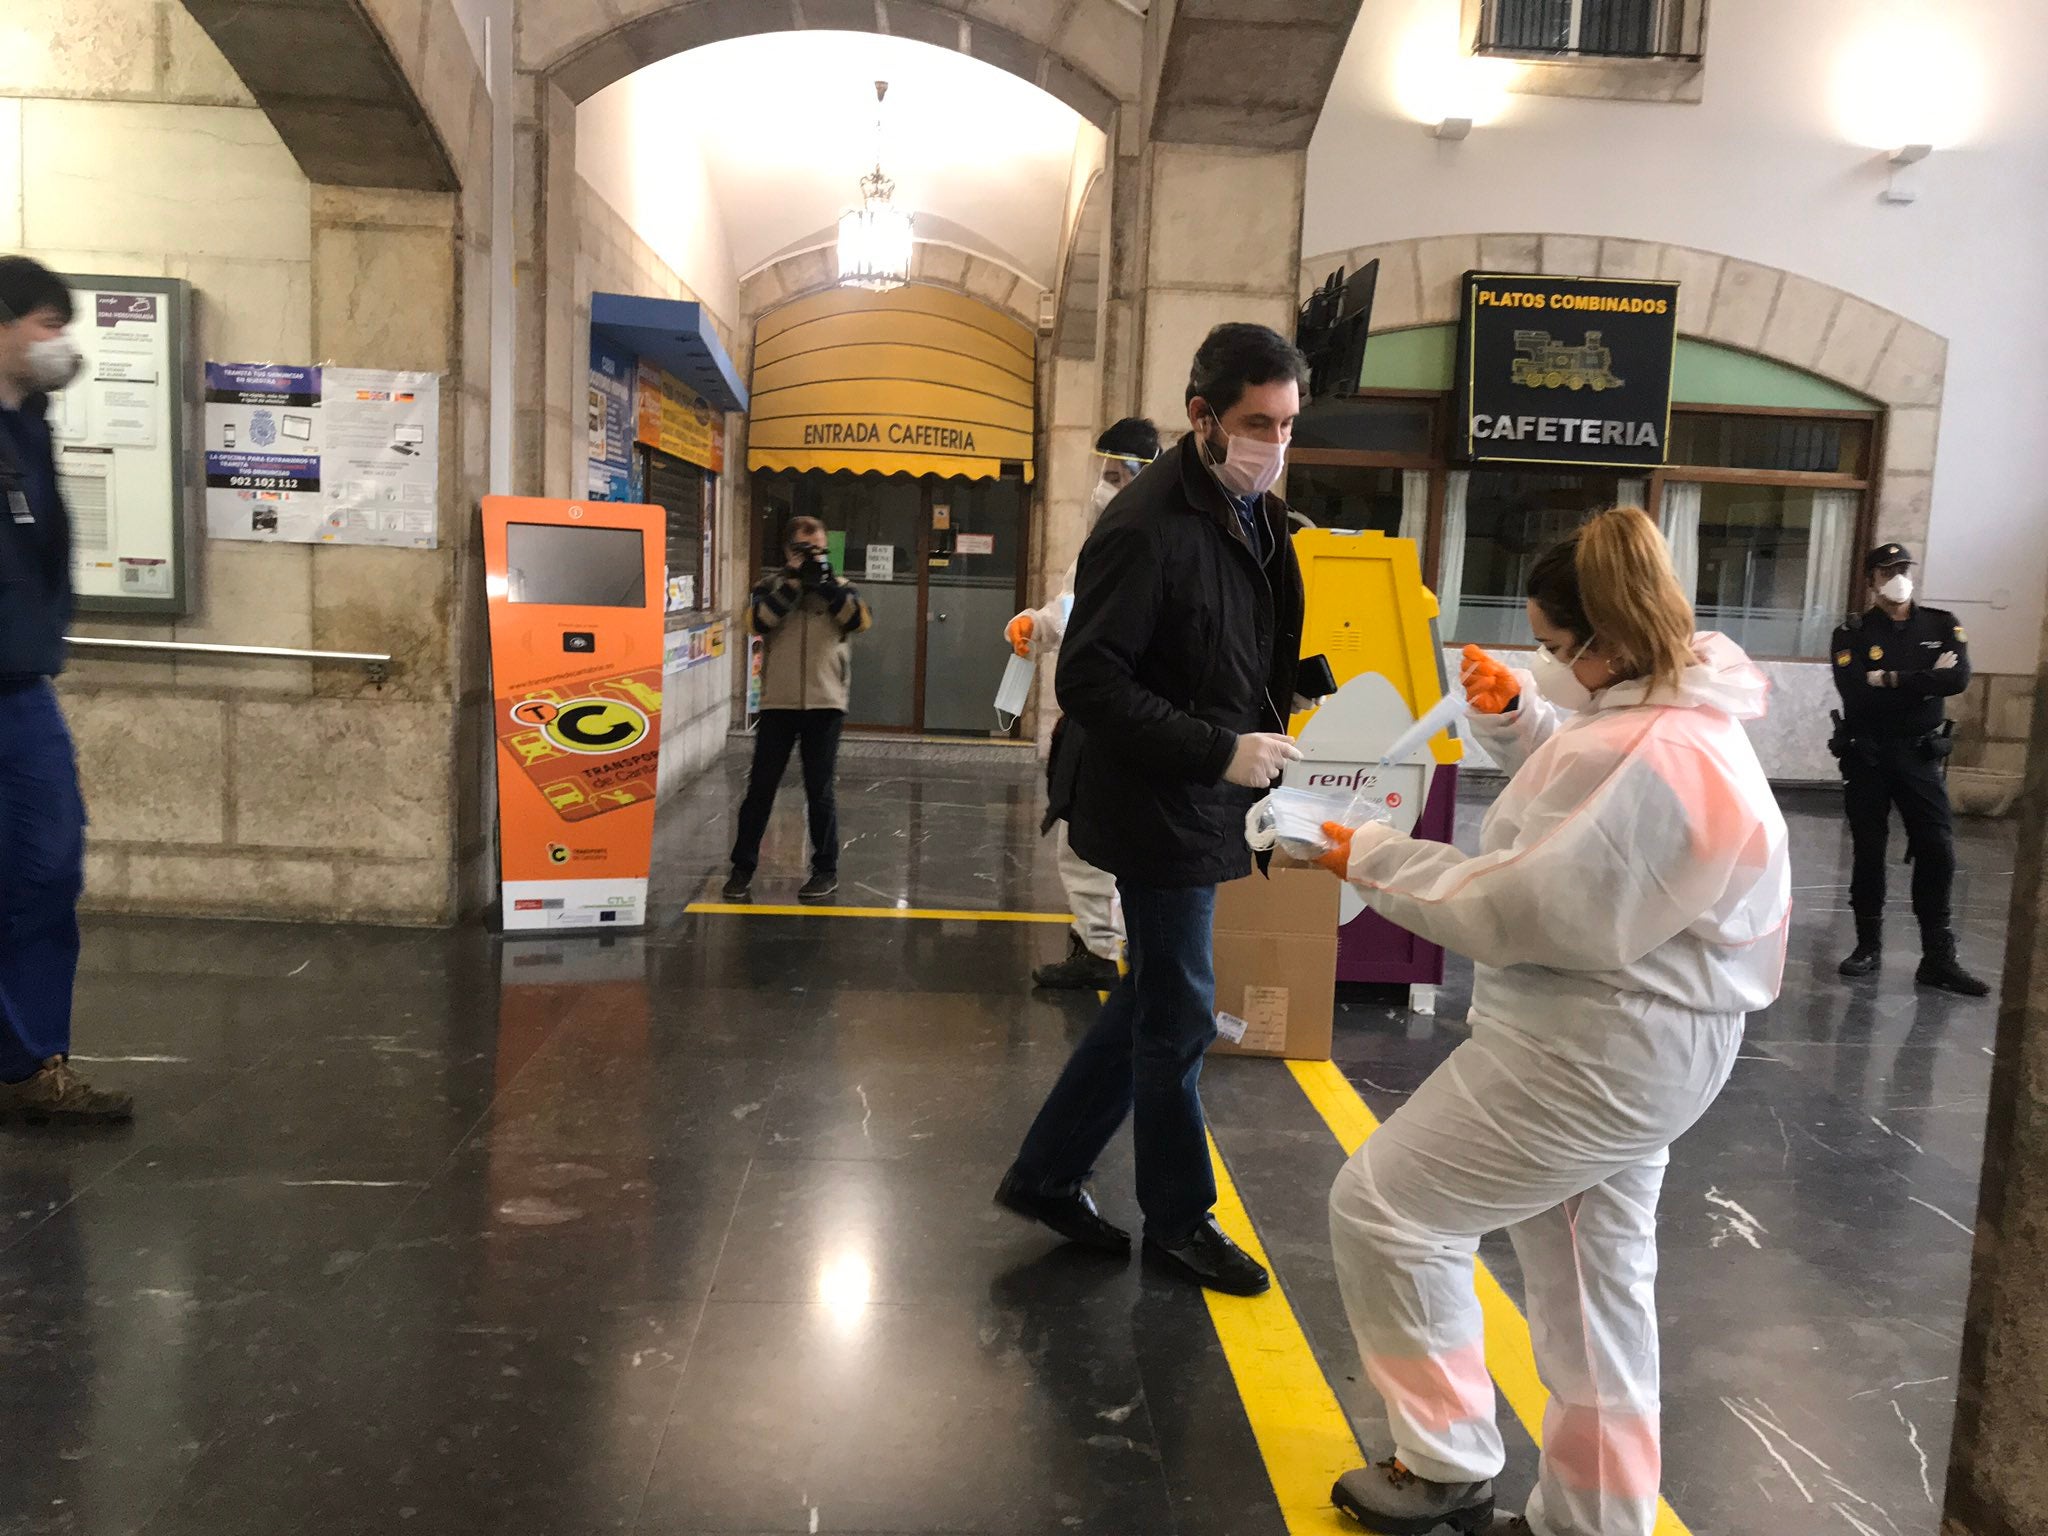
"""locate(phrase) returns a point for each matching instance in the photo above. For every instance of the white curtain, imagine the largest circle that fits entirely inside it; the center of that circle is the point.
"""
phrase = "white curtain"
(1827, 568)
(1450, 581)
(1414, 505)
(1632, 493)
(1679, 517)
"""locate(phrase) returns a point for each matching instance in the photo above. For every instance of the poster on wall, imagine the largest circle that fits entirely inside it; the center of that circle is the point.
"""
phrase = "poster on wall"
(1565, 370)
(673, 418)
(613, 423)
(303, 455)
(118, 433)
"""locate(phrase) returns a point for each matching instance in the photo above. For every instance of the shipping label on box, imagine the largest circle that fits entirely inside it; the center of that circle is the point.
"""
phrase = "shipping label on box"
(1265, 1018)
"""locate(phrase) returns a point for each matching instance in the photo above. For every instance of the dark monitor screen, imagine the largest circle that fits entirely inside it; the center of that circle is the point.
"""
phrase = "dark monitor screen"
(580, 567)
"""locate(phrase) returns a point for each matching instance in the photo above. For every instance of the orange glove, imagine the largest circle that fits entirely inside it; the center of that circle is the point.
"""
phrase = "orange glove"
(1338, 859)
(1018, 633)
(1489, 686)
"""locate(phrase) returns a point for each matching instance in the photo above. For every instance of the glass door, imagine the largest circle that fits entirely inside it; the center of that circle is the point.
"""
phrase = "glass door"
(975, 559)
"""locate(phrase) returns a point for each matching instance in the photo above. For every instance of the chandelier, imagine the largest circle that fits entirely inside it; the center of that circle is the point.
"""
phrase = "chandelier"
(874, 239)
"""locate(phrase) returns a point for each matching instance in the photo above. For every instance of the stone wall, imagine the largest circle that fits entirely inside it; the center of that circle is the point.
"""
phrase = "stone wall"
(129, 145)
(697, 702)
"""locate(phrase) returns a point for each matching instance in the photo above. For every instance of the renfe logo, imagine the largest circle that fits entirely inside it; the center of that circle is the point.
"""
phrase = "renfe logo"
(1342, 778)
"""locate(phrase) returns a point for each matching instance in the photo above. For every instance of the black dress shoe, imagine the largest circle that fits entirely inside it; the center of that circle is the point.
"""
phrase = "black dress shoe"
(1073, 1216)
(1082, 970)
(1940, 970)
(1211, 1260)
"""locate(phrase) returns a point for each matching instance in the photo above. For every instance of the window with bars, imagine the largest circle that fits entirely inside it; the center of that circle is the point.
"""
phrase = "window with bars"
(685, 493)
(1609, 29)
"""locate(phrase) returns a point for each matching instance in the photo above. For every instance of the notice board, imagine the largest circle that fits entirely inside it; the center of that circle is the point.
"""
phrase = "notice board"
(1565, 370)
(119, 435)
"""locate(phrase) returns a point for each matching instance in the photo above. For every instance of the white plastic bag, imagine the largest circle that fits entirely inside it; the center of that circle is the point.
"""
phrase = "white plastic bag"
(1015, 691)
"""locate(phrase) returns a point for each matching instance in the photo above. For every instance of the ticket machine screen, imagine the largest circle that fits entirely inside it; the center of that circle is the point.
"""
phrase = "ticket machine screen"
(575, 567)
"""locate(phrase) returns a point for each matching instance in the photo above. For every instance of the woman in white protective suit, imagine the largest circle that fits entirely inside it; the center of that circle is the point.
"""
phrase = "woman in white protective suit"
(1628, 906)
(1092, 943)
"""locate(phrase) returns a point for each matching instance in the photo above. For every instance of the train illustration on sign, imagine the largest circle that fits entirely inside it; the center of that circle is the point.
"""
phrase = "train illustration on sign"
(1549, 364)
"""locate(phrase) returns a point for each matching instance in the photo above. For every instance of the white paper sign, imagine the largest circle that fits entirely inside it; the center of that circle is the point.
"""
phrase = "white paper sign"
(976, 544)
(322, 455)
(124, 415)
(881, 562)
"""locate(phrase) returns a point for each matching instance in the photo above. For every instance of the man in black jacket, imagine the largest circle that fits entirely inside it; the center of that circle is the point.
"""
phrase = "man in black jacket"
(1176, 676)
(42, 816)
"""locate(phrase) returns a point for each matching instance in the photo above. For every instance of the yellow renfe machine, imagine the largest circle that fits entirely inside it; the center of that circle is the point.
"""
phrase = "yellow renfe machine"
(1370, 614)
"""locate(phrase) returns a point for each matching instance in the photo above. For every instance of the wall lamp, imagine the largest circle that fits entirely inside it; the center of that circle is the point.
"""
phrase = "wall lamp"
(1903, 185)
(1451, 128)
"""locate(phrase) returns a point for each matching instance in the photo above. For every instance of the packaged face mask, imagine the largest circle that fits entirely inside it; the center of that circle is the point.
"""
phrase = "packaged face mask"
(1292, 819)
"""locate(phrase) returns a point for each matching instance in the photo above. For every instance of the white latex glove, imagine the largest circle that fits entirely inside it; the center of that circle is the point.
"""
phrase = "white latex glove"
(1303, 703)
(1875, 678)
(1947, 661)
(1258, 759)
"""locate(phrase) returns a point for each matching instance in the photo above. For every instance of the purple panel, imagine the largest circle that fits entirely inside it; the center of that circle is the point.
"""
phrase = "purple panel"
(1371, 949)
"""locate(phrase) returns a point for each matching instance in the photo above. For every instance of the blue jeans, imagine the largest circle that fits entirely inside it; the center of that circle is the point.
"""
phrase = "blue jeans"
(42, 874)
(1142, 1058)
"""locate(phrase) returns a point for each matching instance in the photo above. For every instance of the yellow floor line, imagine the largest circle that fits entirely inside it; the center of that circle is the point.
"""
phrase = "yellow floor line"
(756, 909)
(1302, 1433)
(1510, 1355)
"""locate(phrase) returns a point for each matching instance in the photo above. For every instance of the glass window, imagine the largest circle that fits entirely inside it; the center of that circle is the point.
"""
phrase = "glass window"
(1769, 564)
(1495, 525)
(1368, 424)
(1823, 445)
(575, 567)
(1350, 496)
(1628, 29)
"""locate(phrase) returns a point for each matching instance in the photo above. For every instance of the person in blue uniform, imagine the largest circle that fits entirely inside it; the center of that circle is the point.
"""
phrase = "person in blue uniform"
(1894, 666)
(42, 815)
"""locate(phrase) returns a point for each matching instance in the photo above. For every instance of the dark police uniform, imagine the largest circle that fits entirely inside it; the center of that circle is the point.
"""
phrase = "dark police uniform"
(1891, 741)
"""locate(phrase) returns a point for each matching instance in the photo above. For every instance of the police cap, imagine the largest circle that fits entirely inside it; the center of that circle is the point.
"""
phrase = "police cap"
(1887, 555)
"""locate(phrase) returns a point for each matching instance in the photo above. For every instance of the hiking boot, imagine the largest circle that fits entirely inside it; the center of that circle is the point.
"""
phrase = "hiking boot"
(1082, 970)
(59, 1096)
(1072, 1215)
(818, 887)
(1209, 1259)
(1392, 1501)
(739, 886)
(1940, 969)
(1869, 952)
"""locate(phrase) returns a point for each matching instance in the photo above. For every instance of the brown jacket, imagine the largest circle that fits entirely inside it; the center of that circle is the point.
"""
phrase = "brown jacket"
(806, 662)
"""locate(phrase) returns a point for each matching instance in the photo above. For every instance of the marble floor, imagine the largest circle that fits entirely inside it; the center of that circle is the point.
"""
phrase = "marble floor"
(689, 1232)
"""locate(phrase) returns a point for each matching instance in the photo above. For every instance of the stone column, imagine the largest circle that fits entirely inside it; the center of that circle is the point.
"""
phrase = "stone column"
(1998, 1466)
(1222, 242)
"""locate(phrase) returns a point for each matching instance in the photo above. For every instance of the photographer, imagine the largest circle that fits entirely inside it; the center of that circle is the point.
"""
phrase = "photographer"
(805, 614)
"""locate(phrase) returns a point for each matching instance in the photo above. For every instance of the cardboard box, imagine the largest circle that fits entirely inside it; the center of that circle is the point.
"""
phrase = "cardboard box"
(1276, 963)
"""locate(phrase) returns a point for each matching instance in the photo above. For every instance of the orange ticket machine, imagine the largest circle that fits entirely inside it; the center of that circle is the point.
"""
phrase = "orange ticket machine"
(575, 592)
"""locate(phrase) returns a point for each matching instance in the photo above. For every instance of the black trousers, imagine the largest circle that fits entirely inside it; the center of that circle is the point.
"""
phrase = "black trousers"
(816, 733)
(1878, 775)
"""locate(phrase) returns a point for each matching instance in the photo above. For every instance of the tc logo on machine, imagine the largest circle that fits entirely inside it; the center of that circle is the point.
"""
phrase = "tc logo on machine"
(593, 726)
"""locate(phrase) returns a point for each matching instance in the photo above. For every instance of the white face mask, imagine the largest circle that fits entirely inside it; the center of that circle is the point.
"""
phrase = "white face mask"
(53, 362)
(1250, 466)
(1105, 493)
(1898, 590)
(1556, 681)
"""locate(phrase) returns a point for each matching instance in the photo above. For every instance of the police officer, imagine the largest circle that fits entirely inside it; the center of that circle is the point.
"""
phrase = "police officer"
(1893, 668)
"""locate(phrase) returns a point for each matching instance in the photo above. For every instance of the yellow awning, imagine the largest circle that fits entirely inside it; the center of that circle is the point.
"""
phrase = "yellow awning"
(917, 381)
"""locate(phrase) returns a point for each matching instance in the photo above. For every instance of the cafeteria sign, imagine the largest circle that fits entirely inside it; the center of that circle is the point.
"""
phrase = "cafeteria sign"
(1565, 370)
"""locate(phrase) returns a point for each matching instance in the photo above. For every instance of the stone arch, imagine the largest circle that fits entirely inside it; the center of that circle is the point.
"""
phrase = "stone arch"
(1780, 315)
(1077, 324)
(933, 266)
(358, 104)
(1088, 53)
